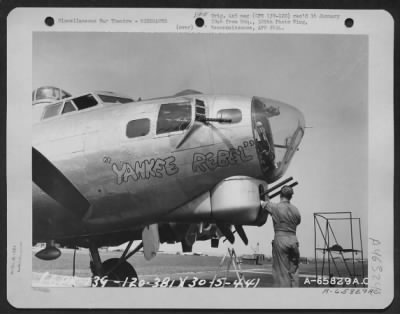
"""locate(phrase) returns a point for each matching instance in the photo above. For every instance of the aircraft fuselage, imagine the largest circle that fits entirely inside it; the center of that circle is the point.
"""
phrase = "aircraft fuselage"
(133, 179)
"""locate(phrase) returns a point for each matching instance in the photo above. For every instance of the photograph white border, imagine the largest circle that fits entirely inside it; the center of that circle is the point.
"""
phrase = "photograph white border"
(22, 22)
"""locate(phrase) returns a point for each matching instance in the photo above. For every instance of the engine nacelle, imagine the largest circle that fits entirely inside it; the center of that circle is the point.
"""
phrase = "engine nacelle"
(235, 200)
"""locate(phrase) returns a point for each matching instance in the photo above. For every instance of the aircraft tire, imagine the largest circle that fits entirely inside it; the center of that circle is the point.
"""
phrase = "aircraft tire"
(118, 276)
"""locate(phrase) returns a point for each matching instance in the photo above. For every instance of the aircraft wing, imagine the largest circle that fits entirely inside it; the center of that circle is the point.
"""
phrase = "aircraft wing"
(52, 181)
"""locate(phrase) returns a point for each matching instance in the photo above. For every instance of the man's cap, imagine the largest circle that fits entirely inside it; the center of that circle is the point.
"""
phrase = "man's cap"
(287, 191)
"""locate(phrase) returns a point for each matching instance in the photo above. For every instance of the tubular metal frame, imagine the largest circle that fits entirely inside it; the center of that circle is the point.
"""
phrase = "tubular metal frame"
(326, 234)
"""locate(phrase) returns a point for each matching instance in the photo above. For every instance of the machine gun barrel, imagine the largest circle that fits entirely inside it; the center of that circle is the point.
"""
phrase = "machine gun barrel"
(276, 186)
(215, 120)
(277, 193)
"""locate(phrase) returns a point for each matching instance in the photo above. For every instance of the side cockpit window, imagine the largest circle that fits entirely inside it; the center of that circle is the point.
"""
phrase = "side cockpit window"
(84, 102)
(137, 128)
(174, 117)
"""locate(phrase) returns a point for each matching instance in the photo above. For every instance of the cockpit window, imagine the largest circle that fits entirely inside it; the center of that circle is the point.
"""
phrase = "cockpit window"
(52, 110)
(115, 99)
(84, 102)
(174, 117)
(68, 107)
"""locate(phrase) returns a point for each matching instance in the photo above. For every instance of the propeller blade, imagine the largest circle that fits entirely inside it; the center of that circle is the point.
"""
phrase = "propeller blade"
(191, 234)
(56, 185)
(227, 232)
(242, 234)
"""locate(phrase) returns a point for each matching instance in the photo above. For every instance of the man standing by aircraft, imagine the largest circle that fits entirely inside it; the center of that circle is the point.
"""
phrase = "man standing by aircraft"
(285, 246)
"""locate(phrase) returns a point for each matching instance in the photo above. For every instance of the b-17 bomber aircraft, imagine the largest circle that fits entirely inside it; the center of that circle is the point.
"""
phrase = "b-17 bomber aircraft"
(109, 170)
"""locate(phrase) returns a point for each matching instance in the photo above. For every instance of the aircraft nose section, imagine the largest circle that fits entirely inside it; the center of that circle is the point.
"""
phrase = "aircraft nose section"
(278, 129)
(285, 119)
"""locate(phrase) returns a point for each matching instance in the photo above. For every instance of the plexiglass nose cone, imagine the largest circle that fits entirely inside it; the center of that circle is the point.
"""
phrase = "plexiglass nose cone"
(278, 130)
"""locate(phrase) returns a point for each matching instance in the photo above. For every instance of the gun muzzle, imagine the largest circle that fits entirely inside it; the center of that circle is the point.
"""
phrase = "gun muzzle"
(276, 186)
(277, 193)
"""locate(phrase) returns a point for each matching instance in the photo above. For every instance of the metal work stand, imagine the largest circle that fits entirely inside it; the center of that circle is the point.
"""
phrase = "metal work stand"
(332, 251)
(233, 261)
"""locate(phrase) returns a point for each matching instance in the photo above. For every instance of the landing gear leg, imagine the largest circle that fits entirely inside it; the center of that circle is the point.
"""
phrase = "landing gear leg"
(118, 271)
(95, 264)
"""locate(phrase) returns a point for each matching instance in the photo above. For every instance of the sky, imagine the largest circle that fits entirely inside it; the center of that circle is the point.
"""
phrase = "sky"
(324, 76)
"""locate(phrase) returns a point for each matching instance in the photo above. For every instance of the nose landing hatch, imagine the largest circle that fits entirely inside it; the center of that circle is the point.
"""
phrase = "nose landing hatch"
(277, 129)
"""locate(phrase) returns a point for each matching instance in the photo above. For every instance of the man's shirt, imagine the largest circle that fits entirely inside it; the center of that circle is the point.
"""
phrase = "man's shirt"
(286, 217)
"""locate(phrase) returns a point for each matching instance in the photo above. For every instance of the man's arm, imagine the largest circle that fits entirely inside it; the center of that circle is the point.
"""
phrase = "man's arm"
(266, 205)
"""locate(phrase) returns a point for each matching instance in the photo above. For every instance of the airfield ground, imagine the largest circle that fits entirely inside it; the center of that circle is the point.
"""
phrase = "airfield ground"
(167, 268)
